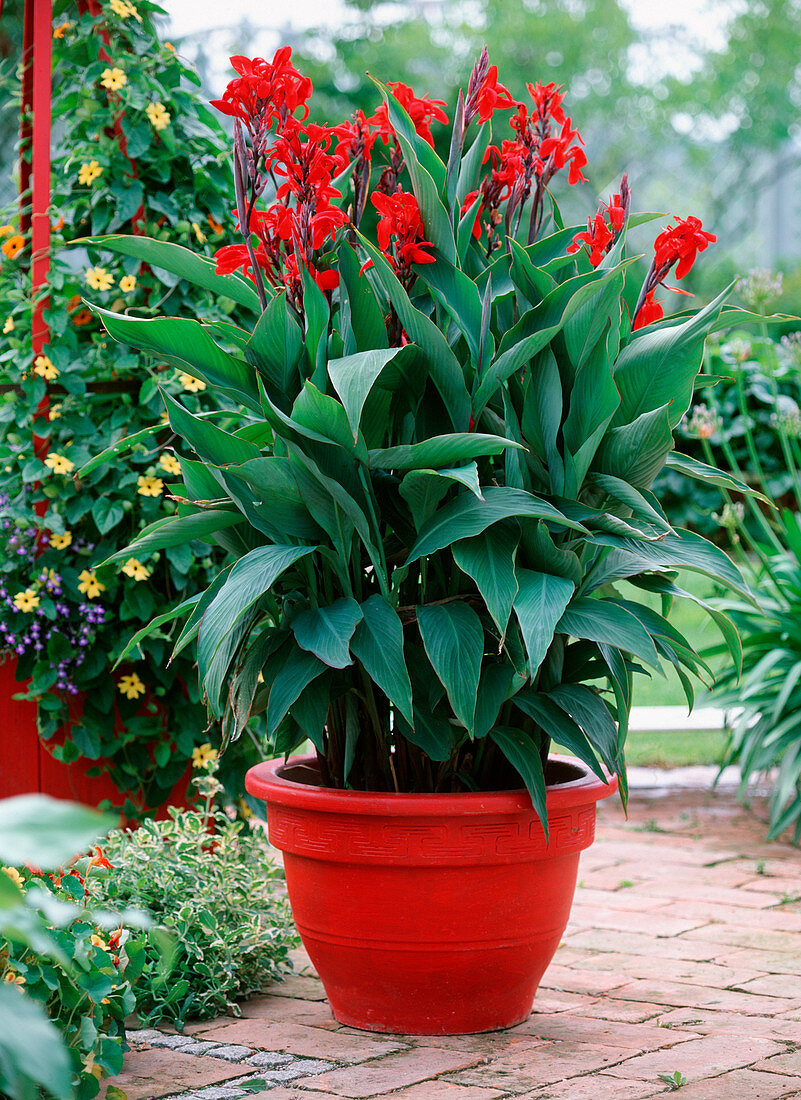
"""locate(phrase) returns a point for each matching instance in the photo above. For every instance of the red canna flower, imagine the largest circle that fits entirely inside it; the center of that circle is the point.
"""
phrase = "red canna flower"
(421, 109)
(265, 91)
(676, 245)
(400, 219)
(562, 150)
(548, 101)
(604, 226)
(649, 311)
(489, 96)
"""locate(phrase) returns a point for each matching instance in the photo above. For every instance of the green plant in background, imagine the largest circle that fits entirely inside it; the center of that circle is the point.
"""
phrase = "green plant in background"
(211, 883)
(445, 448)
(142, 154)
(65, 966)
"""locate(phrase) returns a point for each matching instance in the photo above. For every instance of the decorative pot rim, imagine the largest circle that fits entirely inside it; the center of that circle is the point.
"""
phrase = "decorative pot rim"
(266, 781)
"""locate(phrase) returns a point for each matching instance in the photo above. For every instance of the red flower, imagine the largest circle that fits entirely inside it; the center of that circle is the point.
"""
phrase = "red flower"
(548, 101)
(648, 312)
(563, 150)
(98, 860)
(400, 218)
(491, 96)
(681, 243)
(421, 109)
(265, 90)
(599, 236)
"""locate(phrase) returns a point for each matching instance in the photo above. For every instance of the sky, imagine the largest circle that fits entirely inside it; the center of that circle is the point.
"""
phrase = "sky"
(208, 22)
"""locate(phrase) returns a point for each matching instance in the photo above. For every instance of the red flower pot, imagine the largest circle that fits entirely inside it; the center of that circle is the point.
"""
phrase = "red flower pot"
(429, 914)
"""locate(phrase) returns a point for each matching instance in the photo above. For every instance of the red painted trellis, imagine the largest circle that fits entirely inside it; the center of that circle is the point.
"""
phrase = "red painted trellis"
(25, 763)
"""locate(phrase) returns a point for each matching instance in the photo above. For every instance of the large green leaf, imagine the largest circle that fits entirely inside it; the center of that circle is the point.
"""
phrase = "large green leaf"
(559, 726)
(439, 450)
(47, 832)
(177, 531)
(327, 420)
(466, 516)
(423, 490)
(539, 605)
(250, 578)
(659, 367)
(593, 402)
(489, 558)
(601, 620)
(34, 1059)
(165, 617)
(274, 487)
(363, 321)
(445, 369)
(454, 641)
(183, 262)
(210, 442)
(458, 295)
(585, 706)
(521, 752)
(403, 126)
(186, 344)
(636, 452)
(354, 376)
(299, 669)
(700, 471)
(116, 450)
(378, 645)
(275, 348)
(327, 631)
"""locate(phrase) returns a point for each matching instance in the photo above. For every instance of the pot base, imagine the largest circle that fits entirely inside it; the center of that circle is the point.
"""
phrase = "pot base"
(429, 914)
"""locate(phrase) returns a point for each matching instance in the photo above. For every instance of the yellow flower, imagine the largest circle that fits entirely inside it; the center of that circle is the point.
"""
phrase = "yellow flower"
(61, 542)
(159, 115)
(131, 686)
(113, 79)
(203, 755)
(61, 30)
(26, 601)
(98, 941)
(45, 367)
(6, 230)
(201, 236)
(14, 875)
(134, 568)
(149, 486)
(89, 172)
(119, 7)
(59, 464)
(89, 1066)
(193, 385)
(8, 326)
(171, 464)
(54, 412)
(11, 977)
(98, 278)
(89, 584)
(127, 283)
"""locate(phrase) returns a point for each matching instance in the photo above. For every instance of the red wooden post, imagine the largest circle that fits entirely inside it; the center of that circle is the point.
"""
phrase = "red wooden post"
(22, 759)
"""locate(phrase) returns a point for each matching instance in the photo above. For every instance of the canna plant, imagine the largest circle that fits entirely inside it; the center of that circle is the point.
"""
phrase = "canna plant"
(448, 426)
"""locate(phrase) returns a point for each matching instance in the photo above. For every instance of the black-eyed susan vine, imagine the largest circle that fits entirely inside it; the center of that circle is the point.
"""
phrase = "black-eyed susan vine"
(135, 149)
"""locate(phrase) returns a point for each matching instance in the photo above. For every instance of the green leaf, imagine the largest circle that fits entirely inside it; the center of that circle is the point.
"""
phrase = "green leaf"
(439, 450)
(559, 726)
(210, 442)
(636, 452)
(176, 531)
(315, 307)
(326, 418)
(183, 262)
(275, 348)
(659, 368)
(454, 641)
(458, 295)
(33, 1054)
(691, 467)
(310, 710)
(326, 631)
(365, 328)
(186, 344)
(496, 686)
(299, 669)
(585, 706)
(627, 495)
(250, 578)
(424, 489)
(378, 645)
(593, 402)
(355, 375)
(116, 450)
(47, 832)
(279, 498)
(489, 558)
(466, 516)
(539, 605)
(445, 369)
(107, 514)
(154, 624)
(601, 620)
(523, 755)
(403, 126)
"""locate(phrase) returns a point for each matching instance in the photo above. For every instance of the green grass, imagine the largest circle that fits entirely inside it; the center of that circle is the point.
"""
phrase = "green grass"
(674, 748)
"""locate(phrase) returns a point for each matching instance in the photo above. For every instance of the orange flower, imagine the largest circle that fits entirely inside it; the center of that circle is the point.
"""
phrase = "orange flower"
(58, 225)
(99, 860)
(82, 317)
(213, 224)
(61, 30)
(13, 246)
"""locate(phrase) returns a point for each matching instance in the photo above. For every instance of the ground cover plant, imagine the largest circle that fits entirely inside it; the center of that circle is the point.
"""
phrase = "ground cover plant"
(141, 154)
(451, 411)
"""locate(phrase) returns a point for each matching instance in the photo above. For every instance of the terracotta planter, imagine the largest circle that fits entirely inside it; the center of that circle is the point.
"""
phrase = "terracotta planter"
(428, 914)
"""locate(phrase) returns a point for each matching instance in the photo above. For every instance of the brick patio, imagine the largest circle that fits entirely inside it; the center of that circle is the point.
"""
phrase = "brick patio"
(683, 954)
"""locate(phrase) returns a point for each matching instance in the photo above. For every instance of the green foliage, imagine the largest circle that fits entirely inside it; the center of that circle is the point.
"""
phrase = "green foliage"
(210, 885)
(65, 968)
(467, 491)
(116, 168)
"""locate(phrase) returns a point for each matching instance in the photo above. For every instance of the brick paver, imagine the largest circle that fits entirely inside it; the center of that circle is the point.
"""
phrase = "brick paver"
(682, 954)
